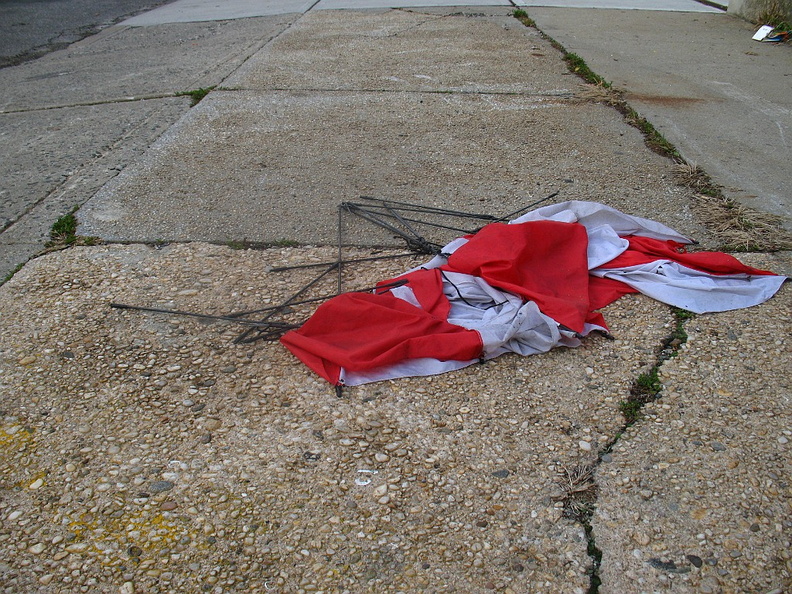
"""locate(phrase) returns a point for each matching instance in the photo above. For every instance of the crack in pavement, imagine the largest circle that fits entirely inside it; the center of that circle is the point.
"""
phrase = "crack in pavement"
(581, 496)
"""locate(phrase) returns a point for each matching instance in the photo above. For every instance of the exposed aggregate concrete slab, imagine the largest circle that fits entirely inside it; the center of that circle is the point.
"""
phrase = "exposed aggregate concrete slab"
(697, 495)
(148, 450)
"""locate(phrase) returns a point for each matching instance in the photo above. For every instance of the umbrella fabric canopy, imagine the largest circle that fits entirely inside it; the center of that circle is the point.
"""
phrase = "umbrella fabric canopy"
(524, 287)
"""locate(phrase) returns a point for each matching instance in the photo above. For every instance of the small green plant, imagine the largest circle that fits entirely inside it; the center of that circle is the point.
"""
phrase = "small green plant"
(577, 65)
(64, 233)
(775, 15)
(654, 140)
(8, 276)
(285, 243)
(523, 17)
(648, 384)
(196, 95)
(64, 230)
(630, 410)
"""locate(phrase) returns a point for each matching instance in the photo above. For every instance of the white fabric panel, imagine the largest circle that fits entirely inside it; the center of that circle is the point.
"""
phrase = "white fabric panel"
(505, 323)
(593, 214)
(699, 292)
(603, 245)
(409, 368)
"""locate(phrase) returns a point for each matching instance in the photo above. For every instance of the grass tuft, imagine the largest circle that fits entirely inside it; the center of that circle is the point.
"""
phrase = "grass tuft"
(64, 233)
(523, 17)
(577, 65)
(196, 95)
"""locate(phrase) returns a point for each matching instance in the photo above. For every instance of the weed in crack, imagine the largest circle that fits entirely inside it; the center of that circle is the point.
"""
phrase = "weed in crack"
(741, 229)
(64, 233)
(579, 496)
(11, 274)
(196, 95)
(579, 491)
(647, 386)
(523, 17)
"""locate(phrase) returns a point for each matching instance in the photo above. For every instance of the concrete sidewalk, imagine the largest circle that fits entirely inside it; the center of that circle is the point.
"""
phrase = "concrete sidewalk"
(145, 453)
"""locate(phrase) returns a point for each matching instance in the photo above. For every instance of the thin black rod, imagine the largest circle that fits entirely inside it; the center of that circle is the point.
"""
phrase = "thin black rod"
(340, 254)
(243, 337)
(428, 223)
(417, 243)
(353, 261)
(423, 208)
(391, 285)
(510, 216)
(176, 312)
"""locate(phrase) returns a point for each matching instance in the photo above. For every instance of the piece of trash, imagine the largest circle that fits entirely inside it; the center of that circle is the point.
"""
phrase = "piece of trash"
(778, 36)
(363, 481)
(763, 32)
(771, 34)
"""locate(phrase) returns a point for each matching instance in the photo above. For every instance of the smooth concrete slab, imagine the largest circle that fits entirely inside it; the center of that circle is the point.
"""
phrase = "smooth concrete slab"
(386, 4)
(696, 497)
(654, 5)
(192, 11)
(42, 151)
(53, 160)
(703, 83)
(408, 51)
(119, 63)
(269, 166)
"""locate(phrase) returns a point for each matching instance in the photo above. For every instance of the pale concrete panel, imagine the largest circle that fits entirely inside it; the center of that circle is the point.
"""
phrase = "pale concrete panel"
(408, 51)
(54, 160)
(45, 151)
(367, 4)
(275, 165)
(192, 11)
(119, 63)
(703, 83)
(654, 5)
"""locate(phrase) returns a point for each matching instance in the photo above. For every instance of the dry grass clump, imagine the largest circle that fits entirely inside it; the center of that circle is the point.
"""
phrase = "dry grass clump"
(692, 176)
(740, 228)
(601, 93)
(578, 491)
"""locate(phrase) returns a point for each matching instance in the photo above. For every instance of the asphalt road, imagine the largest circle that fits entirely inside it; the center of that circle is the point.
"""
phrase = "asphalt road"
(32, 28)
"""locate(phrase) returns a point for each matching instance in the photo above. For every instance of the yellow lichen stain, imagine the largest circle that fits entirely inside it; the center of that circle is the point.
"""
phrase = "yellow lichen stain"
(112, 540)
(14, 437)
(150, 530)
(15, 442)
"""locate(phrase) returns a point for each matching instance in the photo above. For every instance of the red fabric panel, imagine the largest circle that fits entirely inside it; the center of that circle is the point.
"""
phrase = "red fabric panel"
(427, 286)
(643, 250)
(361, 331)
(542, 261)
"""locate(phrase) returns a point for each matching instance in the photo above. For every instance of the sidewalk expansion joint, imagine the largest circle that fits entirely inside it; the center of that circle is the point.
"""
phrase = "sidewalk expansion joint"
(579, 484)
(93, 103)
(560, 94)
